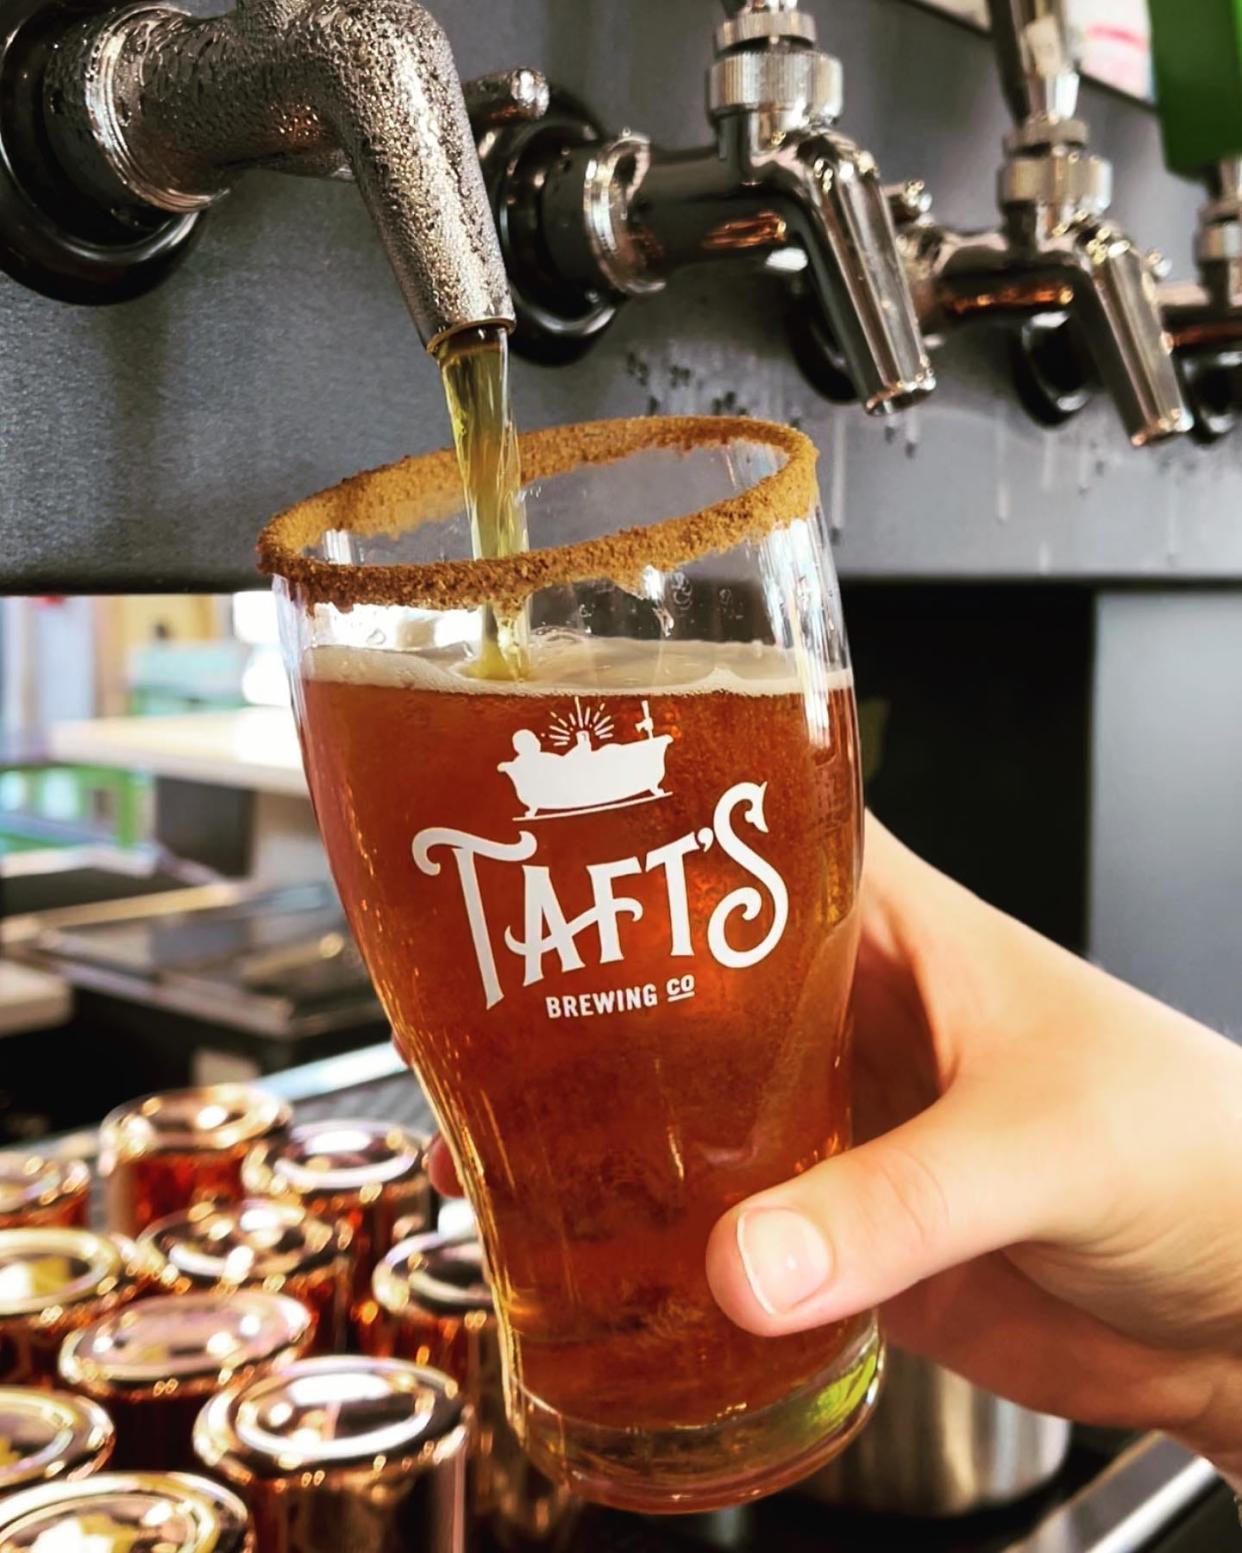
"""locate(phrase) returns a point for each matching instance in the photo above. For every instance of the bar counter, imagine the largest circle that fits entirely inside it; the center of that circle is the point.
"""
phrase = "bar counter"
(1112, 1496)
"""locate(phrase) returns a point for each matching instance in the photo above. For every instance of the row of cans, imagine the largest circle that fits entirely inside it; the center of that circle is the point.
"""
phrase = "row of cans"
(205, 1336)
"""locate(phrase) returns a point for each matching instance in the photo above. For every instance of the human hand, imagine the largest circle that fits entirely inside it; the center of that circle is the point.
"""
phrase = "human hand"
(1047, 1197)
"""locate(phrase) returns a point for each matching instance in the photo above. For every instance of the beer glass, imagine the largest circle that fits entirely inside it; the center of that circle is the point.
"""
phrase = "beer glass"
(609, 904)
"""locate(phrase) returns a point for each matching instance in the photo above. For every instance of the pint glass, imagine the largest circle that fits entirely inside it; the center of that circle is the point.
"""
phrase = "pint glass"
(609, 905)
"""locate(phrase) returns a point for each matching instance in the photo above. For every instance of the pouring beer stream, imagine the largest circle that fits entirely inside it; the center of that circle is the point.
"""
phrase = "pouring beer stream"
(474, 364)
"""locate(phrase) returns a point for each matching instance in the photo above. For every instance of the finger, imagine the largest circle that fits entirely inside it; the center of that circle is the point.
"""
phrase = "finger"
(441, 1170)
(970, 1175)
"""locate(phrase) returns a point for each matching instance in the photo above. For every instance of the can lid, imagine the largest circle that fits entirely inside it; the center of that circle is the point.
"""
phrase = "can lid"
(385, 1416)
(43, 1268)
(211, 1116)
(239, 1243)
(132, 1512)
(195, 1341)
(323, 1158)
(49, 1434)
(443, 1274)
(29, 1181)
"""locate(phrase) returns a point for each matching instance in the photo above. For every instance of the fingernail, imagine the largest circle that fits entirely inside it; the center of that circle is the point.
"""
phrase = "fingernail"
(784, 1256)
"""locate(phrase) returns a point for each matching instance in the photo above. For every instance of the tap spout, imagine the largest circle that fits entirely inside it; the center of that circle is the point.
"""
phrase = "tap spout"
(589, 220)
(154, 107)
(630, 215)
(1093, 278)
(1053, 266)
(1119, 312)
(834, 205)
(1204, 318)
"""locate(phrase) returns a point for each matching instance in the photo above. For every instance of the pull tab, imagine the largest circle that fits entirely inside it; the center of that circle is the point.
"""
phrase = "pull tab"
(860, 278)
(1129, 343)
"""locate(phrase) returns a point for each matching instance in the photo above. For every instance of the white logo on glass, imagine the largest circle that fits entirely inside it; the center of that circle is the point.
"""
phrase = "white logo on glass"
(586, 771)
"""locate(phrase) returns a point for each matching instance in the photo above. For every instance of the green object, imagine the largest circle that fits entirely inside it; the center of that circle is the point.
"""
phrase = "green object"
(124, 793)
(1197, 56)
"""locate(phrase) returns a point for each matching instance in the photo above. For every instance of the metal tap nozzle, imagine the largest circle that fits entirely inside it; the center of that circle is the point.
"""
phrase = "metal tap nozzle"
(1204, 317)
(151, 115)
(1054, 266)
(588, 221)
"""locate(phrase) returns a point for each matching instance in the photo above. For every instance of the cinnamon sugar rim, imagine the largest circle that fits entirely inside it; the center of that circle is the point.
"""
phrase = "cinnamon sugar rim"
(400, 497)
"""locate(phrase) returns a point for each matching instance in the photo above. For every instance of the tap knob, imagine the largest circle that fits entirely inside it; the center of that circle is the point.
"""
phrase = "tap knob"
(1038, 62)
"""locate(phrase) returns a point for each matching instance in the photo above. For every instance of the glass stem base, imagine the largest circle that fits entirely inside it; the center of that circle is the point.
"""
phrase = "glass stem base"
(687, 1469)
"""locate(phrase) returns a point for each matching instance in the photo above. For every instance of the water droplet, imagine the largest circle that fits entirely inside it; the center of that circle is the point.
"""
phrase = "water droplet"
(1173, 526)
(1048, 465)
(1003, 500)
(1084, 466)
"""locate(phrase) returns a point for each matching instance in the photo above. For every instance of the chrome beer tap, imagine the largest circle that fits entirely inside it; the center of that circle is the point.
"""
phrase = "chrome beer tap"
(588, 220)
(1204, 317)
(121, 126)
(1080, 295)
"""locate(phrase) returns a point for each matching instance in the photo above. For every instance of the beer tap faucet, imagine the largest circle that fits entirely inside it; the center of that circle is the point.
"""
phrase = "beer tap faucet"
(588, 220)
(1198, 76)
(1204, 317)
(120, 126)
(1080, 295)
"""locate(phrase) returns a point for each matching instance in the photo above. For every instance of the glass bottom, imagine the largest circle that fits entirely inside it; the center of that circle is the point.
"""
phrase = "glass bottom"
(708, 1467)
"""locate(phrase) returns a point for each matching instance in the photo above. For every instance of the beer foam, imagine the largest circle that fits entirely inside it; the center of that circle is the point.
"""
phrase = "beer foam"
(563, 664)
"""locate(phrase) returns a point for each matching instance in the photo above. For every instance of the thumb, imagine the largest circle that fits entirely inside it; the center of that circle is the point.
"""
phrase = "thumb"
(963, 1178)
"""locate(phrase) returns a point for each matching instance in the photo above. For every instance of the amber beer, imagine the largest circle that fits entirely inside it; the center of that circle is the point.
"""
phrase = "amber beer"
(611, 913)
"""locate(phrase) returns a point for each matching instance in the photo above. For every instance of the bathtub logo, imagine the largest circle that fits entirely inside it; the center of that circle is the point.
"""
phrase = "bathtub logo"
(586, 771)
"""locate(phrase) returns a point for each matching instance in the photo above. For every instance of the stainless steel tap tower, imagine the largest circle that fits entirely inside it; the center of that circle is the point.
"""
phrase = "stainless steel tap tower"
(119, 128)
